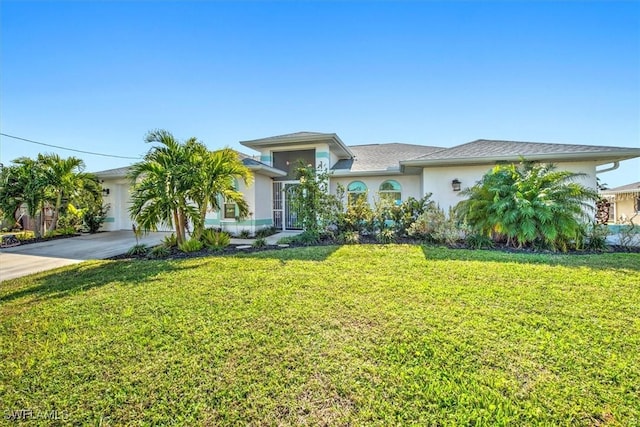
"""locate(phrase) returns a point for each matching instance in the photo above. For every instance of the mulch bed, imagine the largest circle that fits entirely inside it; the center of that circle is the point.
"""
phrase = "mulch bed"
(47, 239)
(175, 253)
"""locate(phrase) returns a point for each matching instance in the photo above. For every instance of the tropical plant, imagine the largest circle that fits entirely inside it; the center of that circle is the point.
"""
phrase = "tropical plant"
(176, 183)
(214, 239)
(260, 242)
(528, 204)
(386, 235)
(433, 225)
(317, 210)
(160, 183)
(159, 251)
(94, 216)
(170, 241)
(191, 245)
(138, 249)
(214, 181)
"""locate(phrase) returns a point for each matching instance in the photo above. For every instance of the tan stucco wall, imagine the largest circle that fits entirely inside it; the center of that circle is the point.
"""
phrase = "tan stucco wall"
(437, 180)
(625, 208)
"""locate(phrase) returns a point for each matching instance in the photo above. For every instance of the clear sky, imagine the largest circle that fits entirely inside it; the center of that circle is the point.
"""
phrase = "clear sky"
(97, 76)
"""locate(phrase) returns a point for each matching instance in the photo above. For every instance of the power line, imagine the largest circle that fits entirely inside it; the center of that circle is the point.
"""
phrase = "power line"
(69, 149)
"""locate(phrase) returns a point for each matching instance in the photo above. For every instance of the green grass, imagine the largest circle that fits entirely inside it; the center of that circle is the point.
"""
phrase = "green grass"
(353, 335)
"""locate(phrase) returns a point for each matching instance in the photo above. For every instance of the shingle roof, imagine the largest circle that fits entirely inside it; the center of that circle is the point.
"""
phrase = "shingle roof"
(373, 157)
(483, 148)
(634, 187)
(484, 151)
(117, 172)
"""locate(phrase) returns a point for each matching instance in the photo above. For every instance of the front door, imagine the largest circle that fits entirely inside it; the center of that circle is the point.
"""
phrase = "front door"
(284, 216)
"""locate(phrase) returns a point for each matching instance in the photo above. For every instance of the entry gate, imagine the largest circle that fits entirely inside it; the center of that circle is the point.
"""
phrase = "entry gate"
(284, 216)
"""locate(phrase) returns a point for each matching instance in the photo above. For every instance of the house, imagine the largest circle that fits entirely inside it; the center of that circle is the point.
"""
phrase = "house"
(392, 170)
(624, 203)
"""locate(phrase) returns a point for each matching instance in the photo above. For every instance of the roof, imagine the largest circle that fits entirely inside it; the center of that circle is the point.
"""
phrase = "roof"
(334, 141)
(251, 163)
(629, 188)
(487, 151)
(381, 157)
(113, 173)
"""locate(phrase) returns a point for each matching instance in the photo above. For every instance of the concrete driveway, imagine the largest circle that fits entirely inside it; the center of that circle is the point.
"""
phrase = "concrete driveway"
(27, 259)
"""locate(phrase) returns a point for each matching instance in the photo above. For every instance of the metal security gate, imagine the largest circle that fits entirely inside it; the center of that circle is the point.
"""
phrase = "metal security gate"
(284, 216)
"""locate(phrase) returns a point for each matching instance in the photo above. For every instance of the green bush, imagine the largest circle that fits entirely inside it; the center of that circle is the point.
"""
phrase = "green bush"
(244, 234)
(260, 243)
(359, 216)
(386, 235)
(191, 245)
(139, 249)
(478, 241)
(529, 204)
(159, 251)
(214, 239)
(170, 241)
(435, 226)
(266, 232)
(349, 237)
(308, 238)
(94, 216)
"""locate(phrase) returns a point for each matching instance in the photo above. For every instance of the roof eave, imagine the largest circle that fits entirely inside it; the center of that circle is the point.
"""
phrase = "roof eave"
(601, 157)
(331, 138)
(381, 172)
(267, 170)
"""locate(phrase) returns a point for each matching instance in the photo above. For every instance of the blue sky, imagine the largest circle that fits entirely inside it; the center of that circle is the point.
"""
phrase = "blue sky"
(97, 76)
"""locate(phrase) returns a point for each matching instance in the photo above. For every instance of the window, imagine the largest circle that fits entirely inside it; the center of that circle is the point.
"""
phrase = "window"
(637, 203)
(229, 209)
(355, 191)
(391, 190)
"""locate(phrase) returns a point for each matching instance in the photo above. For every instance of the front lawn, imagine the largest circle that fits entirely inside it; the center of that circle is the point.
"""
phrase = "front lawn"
(352, 335)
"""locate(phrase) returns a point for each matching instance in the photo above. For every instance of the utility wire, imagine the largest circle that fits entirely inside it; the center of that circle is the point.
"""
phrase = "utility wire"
(69, 149)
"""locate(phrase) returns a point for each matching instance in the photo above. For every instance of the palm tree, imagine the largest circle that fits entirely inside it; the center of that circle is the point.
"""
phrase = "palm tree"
(67, 179)
(25, 183)
(528, 203)
(214, 182)
(159, 186)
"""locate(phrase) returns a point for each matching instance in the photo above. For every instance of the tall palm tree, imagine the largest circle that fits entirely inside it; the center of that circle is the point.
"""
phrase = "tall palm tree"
(67, 179)
(214, 184)
(528, 203)
(159, 186)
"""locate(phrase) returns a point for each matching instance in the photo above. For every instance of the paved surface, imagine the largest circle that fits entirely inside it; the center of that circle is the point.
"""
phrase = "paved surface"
(27, 259)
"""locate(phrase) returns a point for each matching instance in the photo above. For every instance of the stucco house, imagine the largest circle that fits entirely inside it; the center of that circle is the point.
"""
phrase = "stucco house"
(396, 169)
(625, 203)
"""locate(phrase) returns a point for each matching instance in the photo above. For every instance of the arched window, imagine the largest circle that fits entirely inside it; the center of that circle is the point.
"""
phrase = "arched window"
(391, 190)
(355, 191)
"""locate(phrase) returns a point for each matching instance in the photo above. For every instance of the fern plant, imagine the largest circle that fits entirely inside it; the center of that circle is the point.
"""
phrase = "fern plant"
(528, 204)
(214, 239)
(191, 245)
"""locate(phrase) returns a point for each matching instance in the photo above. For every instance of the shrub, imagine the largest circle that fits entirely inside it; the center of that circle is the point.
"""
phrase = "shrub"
(478, 241)
(191, 245)
(260, 243)
(159, 251)
(170, 241)
(359, 216)
(308, 238)
(214, 239)
(530, 204)
(244, 234)
(349, 237)
(434, 225)
(94, 216)
(386, 235)
(597, 238)
(25, 235)
(139, 249)
(266, 232)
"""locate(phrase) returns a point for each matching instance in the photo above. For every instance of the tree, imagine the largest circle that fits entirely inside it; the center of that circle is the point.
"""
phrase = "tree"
(25, 182)
(528, 204)
(214, 182)
(176, 183)
(66, 180)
